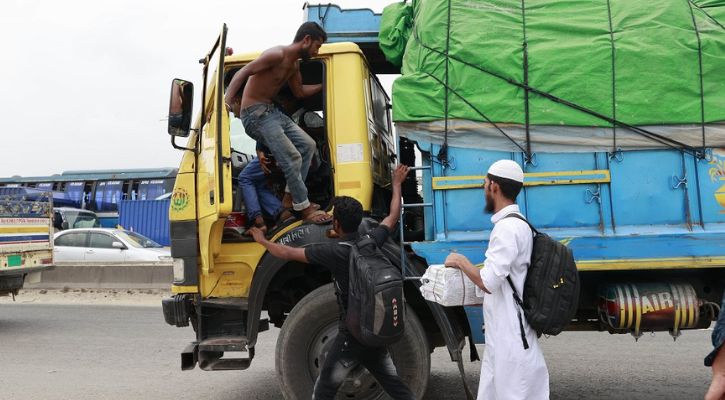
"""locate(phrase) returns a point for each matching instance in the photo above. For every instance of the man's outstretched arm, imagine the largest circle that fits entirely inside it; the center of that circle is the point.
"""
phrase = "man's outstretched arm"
(278, 250)
(401, 171)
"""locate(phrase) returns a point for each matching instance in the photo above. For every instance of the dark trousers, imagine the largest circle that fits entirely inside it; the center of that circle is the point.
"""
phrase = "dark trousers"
(347, 353)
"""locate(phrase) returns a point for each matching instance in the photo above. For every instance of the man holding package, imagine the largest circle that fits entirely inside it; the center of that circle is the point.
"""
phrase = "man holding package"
(508, 370)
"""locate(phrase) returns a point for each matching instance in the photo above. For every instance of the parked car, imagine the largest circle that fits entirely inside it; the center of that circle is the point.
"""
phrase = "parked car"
(69, 218)
(106, 245)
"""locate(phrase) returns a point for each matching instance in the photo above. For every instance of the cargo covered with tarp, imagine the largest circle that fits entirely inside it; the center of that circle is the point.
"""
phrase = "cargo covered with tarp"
(553, 75)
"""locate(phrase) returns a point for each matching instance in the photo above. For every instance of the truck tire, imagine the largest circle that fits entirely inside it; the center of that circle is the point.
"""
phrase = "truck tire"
(309, 330)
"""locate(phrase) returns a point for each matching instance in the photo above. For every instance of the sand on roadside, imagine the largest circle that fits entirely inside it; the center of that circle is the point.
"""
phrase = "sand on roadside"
(124, 297)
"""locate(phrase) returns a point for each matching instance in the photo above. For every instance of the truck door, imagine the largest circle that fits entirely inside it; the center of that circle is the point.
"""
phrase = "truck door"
(214, 181)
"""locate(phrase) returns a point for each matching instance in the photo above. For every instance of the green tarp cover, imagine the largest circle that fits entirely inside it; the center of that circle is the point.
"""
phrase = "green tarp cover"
(653, 62)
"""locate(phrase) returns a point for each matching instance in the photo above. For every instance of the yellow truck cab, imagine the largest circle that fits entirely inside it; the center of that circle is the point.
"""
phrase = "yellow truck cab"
(227, 287)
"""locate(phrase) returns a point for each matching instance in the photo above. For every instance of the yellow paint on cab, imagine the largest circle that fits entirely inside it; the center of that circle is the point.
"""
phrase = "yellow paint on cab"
(227, 269)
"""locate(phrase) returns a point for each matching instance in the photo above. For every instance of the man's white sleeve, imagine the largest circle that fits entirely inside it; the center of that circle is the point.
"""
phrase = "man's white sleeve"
(500, 255)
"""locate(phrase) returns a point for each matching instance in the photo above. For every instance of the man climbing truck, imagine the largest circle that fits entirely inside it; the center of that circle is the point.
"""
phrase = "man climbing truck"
(634, 190)
(224, 281)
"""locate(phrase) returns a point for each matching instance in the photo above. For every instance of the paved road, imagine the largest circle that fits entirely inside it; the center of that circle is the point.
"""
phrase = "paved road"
(127, 352)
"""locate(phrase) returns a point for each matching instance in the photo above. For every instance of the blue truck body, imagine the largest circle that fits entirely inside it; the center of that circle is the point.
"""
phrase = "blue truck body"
(654, 215)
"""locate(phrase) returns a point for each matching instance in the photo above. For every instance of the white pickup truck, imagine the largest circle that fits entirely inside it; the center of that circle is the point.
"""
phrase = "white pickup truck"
(26, 237)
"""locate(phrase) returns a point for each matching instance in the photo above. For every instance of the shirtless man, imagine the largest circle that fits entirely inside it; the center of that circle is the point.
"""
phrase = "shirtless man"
(291, 146)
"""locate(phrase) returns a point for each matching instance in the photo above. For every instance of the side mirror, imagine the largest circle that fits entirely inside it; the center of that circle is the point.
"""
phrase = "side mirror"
(180, 107)
(118, 245)
(64, 225)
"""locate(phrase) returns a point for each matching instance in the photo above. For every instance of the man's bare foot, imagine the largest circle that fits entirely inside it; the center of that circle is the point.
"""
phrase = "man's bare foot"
(287, 200)
(315, 215)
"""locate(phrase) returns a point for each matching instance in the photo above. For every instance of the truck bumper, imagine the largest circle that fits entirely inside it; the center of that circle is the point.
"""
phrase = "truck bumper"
(25, 270)
(176, 310)
(10, 284)
(11, 280)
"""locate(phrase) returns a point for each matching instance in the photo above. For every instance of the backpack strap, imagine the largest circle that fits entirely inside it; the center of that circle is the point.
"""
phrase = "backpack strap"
(520, 307)
(518, 216)
(338, 290)
(517, 299)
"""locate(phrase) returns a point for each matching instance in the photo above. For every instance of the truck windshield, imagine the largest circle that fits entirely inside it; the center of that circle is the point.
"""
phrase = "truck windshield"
(138, 240)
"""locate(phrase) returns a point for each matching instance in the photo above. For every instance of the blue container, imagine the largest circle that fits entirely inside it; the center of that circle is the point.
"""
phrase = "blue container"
(359, 25)
(107, 220)
(147, 217)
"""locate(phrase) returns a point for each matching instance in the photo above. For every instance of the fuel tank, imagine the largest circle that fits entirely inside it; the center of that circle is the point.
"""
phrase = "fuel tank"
(649, 307)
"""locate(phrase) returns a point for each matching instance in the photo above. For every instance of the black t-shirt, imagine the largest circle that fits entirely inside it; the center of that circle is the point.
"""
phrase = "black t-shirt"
(336, 257)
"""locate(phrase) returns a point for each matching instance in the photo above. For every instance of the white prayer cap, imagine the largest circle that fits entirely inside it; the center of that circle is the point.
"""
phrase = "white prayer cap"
(507, 169)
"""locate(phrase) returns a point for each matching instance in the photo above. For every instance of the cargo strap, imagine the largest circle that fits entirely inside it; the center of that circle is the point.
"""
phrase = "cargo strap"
(443, 152)
(702, 84)
(614, 78)
(469, 394)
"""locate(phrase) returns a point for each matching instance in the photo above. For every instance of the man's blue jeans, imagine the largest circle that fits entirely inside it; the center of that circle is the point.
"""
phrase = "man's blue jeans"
(257, 195)
(291, 147)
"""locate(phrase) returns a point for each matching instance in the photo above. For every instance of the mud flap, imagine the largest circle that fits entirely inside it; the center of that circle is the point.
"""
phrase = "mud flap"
(455, 339)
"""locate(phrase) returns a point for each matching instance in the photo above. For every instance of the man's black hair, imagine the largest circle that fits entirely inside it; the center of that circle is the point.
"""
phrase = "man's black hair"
(509, 187)
(348, 213)
(313, 29)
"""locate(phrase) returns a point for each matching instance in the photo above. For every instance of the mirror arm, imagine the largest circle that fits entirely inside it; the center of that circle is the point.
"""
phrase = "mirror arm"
(177, 147)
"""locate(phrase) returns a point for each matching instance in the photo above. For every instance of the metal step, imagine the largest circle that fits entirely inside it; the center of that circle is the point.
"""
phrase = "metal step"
(224, 343)
(225, 364)
(210, 352)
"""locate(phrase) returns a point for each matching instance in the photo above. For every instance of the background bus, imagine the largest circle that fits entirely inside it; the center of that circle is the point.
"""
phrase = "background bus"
(100, 190)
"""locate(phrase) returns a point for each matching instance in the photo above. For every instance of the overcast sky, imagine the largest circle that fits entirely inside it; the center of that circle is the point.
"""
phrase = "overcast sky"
(85, 84)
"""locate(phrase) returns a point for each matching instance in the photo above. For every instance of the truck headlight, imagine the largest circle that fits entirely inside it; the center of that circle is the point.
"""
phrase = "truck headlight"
(178, 269)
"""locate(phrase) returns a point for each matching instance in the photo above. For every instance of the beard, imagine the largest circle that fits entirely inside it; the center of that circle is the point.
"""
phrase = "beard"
(490, 206)
(305, 54)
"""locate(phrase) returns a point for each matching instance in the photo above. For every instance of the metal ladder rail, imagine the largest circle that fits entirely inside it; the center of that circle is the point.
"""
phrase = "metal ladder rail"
(401, 228)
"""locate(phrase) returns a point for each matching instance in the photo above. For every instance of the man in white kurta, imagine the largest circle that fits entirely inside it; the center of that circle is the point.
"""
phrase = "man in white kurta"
(508, 370)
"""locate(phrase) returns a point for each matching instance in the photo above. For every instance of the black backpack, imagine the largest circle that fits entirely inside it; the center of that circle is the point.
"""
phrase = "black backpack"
(551, 288)
(375, 311)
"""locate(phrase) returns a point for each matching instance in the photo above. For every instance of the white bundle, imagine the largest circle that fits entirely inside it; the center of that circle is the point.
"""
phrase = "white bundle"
(448, 287)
